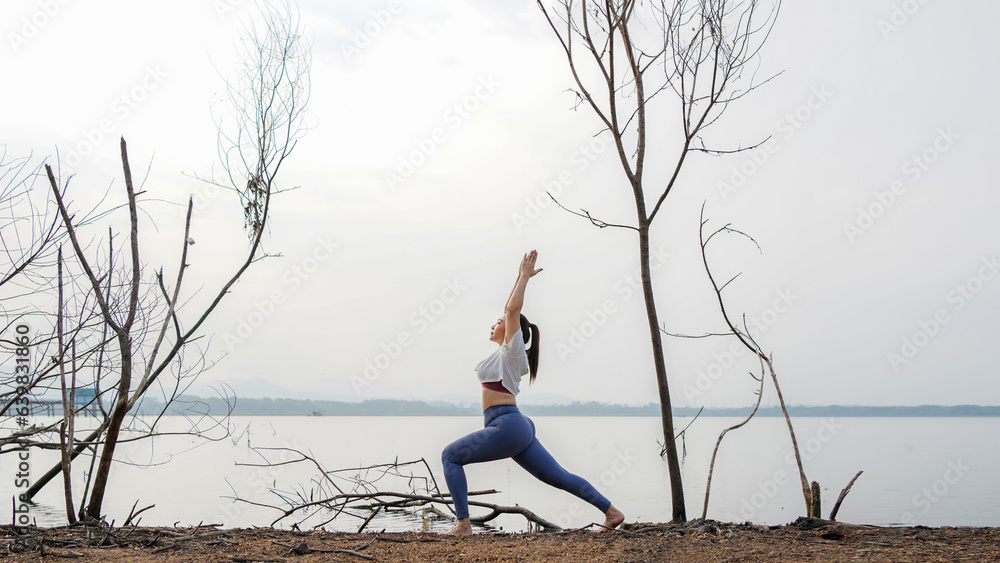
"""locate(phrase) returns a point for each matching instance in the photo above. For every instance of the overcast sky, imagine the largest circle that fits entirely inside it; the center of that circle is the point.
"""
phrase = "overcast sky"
(874, 203)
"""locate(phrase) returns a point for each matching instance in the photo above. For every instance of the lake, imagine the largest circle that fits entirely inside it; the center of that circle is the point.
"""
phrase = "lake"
(929, 471)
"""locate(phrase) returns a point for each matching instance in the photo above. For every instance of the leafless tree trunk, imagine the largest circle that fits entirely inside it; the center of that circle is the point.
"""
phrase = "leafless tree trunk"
(121, 328)
(702, 49)
(66, 428)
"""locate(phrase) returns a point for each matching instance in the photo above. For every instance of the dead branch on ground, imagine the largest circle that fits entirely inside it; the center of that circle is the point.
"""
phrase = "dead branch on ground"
(337, 492)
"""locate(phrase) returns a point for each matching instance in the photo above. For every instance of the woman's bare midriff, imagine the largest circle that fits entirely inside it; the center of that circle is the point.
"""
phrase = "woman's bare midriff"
(493, 398)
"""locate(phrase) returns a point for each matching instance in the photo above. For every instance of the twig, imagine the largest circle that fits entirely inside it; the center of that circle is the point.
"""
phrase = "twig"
(201, 536)
(365, 490)
(498, 510)
(68, 555)
(840, 499)
(711, 464)
(132, 514)
(748, 341)
(586, 215)
(370, 542)
(176, 541)
(403, 540)
(354, 553)
(369, 519)
(435, 510)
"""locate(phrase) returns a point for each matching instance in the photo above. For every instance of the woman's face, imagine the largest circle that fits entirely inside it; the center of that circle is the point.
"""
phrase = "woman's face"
(497, 331)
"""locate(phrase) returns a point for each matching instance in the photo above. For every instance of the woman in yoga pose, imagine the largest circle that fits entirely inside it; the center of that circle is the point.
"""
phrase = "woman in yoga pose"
(507, 432)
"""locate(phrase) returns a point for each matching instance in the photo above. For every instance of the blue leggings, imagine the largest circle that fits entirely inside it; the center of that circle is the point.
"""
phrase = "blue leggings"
(508, 433)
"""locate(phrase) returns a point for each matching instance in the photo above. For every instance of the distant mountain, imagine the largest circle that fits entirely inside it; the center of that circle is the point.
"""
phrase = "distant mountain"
(525, 399)
(456, 399)
(246, 406)
(260, 388)
(542, 399)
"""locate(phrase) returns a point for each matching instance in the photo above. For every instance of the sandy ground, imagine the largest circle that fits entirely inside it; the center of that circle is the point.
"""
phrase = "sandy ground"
(804, 540)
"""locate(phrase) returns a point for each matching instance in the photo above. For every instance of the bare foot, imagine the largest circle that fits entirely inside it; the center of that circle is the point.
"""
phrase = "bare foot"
(462, 529)
(612, 519)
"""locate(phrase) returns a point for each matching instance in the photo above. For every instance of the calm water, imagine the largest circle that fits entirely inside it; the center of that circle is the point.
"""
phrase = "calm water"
(929, 471)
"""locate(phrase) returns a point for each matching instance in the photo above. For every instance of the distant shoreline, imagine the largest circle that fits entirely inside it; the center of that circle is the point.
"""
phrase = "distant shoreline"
(398, 407)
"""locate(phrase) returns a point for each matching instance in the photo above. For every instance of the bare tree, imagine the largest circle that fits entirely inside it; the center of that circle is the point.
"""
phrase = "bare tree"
(266, 111)
(742, 333)
(139, 333)
(810, 491)
(745, 338)
(702, 51)
(30, 230)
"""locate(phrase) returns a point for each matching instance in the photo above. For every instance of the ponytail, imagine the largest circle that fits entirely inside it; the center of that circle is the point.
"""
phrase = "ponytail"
(532, 330)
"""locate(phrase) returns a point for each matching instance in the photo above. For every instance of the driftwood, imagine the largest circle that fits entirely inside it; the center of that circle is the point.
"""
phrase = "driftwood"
(380, 499)
(338, 492)
(304, 549)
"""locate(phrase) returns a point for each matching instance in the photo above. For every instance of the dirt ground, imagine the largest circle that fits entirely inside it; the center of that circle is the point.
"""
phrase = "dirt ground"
(803, 540)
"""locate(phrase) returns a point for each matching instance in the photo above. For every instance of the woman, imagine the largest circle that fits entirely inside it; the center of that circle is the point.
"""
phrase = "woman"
(507, 432)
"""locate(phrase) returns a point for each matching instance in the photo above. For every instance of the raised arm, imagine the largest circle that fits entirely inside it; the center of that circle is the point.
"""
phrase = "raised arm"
(512, 311)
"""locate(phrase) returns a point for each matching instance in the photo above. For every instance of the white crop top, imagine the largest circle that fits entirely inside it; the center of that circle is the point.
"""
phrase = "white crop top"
(507, 364)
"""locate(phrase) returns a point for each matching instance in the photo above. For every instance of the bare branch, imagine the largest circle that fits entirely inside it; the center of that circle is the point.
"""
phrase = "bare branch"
(843, 495)
(364, 487)
(751, 344)
(715, 451)
(586, 215)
